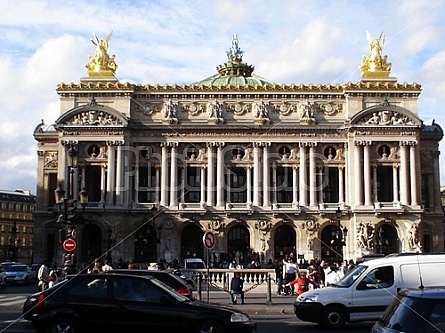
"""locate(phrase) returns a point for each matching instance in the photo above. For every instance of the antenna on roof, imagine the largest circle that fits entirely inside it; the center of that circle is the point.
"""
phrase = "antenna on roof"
(420, 273)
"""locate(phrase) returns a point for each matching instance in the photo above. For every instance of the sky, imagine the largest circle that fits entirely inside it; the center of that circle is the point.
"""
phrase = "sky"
(44, 43)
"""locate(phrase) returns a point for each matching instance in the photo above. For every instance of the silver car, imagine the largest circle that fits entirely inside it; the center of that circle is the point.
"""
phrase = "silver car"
(22, 274)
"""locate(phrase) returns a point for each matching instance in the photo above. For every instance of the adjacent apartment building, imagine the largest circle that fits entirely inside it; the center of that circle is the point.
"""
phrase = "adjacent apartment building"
(17, 226)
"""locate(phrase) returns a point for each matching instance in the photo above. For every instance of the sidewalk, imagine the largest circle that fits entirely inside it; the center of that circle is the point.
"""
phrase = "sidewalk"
(256, 302)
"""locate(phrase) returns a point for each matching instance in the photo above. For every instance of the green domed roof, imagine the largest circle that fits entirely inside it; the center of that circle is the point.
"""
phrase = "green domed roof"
(234, 72)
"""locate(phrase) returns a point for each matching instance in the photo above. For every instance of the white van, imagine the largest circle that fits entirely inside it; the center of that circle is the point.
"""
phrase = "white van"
(194, 263)
(364, 293)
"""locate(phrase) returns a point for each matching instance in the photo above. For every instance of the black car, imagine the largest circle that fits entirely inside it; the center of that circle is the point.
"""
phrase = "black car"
(171, 280)
(414, 311)
(126, 303)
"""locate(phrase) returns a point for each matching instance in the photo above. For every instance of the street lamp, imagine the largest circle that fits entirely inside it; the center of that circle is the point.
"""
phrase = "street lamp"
(68, 218)
(13, 244)
(83, 198)
(344, 230)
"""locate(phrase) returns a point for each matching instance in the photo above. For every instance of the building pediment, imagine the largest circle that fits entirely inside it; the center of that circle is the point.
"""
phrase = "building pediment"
(92, 115)
(385, 115)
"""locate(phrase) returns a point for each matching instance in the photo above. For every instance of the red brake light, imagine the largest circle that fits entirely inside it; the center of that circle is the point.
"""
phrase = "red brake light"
(182, 291)
(40, 299)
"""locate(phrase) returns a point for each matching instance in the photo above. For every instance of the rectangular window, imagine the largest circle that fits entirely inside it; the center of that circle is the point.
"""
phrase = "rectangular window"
(193, 185)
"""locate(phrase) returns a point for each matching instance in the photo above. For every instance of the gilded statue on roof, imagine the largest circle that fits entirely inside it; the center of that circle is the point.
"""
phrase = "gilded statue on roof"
(375, 65)
(101, 63)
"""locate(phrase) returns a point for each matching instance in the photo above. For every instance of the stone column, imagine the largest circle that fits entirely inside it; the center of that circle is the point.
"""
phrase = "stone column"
(157, 184)
(367, 173)
(164, 175)
(303, 175)
(404, 183)
(395, 180)
(137, 179)
(256, 175)
(341, 186)
(358, 188)
(174, 176)
(274, 184)
(181, 188)
(103, 184)
(111, 173)
(220, 182)
(414, 174)
(210, 175)
(119, 175)
(312, 177)
(266, 176)
(319, 186)
(374, 183)
(295, 186)
(249, 185)
(203, 187)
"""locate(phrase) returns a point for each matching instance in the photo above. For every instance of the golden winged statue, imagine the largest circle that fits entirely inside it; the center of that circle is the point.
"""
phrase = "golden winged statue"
(374, 65)
(101, 63)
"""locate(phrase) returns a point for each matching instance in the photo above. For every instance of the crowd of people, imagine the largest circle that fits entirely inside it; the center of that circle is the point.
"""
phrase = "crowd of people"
(307, 274)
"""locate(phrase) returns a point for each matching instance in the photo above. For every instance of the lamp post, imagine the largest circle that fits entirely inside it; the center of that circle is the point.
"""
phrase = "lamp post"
(13, 244)
(344, 230)
(68, 231)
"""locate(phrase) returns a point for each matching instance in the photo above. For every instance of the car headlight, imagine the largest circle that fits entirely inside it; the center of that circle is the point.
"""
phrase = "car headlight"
(239, 318)
(308, 298)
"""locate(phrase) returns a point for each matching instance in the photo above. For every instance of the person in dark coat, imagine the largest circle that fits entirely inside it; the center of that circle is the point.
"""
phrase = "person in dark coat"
(236, 288)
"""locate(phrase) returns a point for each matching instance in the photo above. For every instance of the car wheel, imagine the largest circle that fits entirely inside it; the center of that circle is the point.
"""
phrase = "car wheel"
(209, 327)
(63, 325)
(333, 317)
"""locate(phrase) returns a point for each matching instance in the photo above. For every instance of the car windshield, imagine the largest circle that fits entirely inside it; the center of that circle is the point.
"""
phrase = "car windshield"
(16, 269)
(352, 275)
(172, 292)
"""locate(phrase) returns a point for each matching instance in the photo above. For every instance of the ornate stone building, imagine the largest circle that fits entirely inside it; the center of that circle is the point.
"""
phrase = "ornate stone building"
(316, 171)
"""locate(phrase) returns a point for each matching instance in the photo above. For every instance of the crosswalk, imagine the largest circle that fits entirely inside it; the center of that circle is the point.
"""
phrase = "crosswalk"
(8, 301)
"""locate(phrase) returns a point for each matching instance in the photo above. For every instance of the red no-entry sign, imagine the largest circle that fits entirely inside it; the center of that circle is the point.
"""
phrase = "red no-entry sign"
(69, 245)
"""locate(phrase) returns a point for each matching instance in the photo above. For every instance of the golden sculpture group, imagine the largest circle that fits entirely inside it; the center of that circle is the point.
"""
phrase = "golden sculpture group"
(101, 64)
(374, 65)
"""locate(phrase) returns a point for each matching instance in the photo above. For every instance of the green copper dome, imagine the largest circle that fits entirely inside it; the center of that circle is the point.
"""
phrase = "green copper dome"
(234, 72)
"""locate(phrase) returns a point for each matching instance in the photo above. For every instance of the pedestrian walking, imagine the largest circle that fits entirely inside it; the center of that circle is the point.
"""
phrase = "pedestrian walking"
(43, 275)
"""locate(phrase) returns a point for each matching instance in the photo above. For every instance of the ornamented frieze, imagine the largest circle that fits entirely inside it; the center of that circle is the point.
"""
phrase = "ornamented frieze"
(93, 118)
(386, 118)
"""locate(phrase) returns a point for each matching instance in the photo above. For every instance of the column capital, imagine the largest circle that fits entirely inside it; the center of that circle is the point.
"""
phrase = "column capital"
(111, 143)
(408, 143)
(307, 144)
(67, 143)
(362, 142)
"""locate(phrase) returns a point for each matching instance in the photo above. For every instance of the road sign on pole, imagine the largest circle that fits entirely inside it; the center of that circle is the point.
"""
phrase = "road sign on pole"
(69, 245)
(209, 240)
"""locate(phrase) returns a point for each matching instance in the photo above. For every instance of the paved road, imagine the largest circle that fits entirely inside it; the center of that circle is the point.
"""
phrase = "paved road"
(270, 318)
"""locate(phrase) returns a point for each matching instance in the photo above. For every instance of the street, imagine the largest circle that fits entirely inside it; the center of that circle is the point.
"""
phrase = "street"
(13, 297)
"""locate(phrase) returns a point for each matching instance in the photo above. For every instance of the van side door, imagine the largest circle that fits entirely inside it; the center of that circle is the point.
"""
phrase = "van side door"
(373, 293)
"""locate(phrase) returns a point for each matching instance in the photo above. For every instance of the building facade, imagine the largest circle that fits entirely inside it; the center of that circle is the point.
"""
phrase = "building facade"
(17, 226)
(311, 171)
